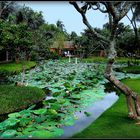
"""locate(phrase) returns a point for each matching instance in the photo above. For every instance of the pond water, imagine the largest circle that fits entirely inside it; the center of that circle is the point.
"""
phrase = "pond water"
(58, 77)
(52, 72)
(95, 110)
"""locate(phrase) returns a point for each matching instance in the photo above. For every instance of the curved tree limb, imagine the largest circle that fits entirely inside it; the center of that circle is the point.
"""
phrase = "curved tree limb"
(125, 8)
(85, 21)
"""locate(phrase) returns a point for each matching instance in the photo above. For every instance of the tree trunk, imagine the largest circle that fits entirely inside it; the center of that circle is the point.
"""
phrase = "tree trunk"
(17, 57)
(7, 55)
(133, 109)
(23, 73)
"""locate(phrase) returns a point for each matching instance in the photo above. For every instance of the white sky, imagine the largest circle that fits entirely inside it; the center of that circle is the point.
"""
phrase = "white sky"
(72, 20)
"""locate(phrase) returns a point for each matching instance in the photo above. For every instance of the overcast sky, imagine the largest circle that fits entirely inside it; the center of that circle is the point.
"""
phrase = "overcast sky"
(72, 20)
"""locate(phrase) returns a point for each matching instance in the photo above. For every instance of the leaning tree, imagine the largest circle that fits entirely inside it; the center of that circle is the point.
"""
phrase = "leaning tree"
(116, 10)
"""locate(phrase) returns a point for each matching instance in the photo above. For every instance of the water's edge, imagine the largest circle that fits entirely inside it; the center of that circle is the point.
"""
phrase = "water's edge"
(95, 110)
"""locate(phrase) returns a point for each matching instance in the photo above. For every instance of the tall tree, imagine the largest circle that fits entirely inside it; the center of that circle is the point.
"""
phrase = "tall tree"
(61, 26)
(133, 20)
(6, 7)
(29, 16)
(116, 10)
(42, 40)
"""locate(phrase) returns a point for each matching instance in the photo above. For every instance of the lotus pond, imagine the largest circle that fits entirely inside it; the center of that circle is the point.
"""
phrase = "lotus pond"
(70, 87)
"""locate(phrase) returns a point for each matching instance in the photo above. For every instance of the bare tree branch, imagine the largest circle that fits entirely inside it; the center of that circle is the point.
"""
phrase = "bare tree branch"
(85, 21)
(126, 7)
(101, 10)
(110, 20)
(110, 7)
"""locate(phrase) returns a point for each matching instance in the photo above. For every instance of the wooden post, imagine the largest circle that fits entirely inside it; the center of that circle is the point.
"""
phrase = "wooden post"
(7, 56)
(76, 60)
(69, 58)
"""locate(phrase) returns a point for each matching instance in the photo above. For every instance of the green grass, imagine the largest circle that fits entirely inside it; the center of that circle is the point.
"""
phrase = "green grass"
(94, 59)
(100, 59)
(131, 69)
(11, 68)
(104, 59)
(16, 98)
(114, 123)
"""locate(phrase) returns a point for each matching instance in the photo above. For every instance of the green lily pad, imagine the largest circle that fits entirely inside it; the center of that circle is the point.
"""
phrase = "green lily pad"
(56, 106)
(57, 132)
(40, 111)
(14, 115)
(49, 123)
(40, 119)
(67, 84)
(10, 122)
(69, 121)
(52, 111)
(24, 121)
(41, 134)
(55, 94)
(9, 133)
(61, 101)
(51, 100)
(29, 130)
(26, 113)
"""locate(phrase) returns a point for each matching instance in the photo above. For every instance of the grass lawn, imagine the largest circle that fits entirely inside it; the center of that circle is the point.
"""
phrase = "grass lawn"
(94, 59)
(16, 98)
(131, 69)
(10, 68)
(103, 59)
(114, 123)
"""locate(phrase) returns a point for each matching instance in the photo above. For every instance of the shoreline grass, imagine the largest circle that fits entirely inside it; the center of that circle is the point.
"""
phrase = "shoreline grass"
(114, 123)
(131, 69)
(12, 68)
(14, 98)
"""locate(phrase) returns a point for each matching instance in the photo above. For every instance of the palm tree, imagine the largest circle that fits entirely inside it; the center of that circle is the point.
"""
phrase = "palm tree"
(60, 25)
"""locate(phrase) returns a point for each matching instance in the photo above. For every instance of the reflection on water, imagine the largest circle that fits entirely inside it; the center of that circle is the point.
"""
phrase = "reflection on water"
(95, 110)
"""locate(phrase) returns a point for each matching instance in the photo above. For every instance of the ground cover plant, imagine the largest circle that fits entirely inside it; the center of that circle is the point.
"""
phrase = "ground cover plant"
(113, 123)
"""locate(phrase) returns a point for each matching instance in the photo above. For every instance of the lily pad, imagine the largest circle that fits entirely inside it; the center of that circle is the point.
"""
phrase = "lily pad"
(57, 132)
(10, 122)
(25, 121)
(40, 111)
(14, 115)
(69, 121)
(41, 134)
(8, 133)
(52, 111)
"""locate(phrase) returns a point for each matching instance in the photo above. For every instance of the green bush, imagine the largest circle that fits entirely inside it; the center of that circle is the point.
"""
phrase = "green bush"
(53, 55)
(15, 98)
